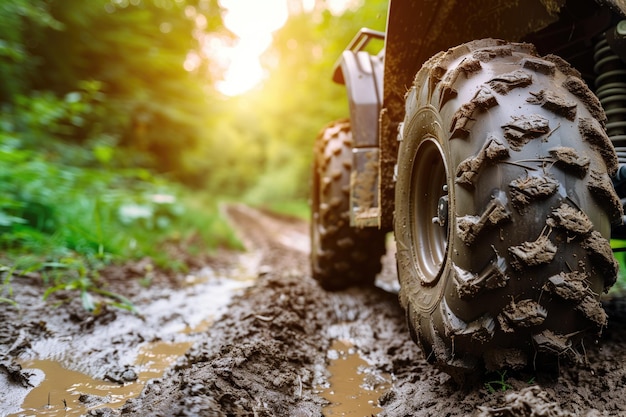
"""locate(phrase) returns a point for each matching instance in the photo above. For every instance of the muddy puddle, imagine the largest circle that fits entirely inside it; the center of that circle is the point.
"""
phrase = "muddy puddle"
(63, 392)
(72, 374)
(354, 387)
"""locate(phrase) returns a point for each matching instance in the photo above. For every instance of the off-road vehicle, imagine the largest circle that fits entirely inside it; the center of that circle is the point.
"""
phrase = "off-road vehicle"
(489, 137)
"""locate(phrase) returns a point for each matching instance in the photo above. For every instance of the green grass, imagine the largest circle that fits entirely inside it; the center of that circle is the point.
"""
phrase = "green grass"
(499, 384)
(67, 222)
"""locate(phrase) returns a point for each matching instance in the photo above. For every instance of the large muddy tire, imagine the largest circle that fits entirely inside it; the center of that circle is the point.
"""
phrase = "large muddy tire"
(341, 255)
(503, 209)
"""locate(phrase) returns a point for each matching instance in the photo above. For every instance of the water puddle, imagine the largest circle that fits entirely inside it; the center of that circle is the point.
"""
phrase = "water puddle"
(63, 392)
(354, 387)
(62, 365)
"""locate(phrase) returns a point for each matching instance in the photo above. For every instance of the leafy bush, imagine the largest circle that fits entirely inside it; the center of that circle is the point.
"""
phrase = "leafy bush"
(72, 221)
(68, 211)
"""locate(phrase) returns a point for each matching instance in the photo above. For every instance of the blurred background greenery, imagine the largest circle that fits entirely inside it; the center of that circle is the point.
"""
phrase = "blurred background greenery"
(125, 123)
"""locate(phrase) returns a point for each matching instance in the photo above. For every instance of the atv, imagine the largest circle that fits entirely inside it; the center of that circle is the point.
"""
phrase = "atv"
(490, 138)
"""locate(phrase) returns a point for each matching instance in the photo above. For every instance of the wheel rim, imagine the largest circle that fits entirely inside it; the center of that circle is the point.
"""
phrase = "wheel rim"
(429, 212)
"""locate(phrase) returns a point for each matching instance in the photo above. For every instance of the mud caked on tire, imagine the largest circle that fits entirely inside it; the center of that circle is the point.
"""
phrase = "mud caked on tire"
(341, 255)
(504, 207)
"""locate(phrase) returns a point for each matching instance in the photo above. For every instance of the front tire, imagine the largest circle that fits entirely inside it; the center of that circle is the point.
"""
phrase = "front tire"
(503, 208)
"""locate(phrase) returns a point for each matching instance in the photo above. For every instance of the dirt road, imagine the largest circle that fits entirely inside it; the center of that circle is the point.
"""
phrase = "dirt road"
(253, 335)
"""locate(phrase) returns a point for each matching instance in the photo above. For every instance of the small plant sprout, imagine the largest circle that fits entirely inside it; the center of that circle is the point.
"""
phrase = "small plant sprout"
(498, 384)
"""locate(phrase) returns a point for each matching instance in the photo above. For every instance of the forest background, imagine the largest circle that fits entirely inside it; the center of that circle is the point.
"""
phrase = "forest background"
(116, 141)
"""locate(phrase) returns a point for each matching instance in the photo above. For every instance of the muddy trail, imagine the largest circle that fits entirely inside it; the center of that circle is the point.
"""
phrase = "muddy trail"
(251, 334)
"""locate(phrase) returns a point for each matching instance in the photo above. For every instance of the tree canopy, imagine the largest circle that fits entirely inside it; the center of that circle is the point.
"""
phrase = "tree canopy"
(134, 81)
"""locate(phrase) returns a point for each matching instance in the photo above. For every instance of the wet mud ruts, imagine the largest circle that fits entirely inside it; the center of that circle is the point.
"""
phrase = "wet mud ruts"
(268, 353)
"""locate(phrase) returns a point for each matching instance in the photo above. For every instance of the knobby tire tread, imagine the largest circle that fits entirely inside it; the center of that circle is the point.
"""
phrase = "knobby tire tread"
(528, 251)
(341, 255)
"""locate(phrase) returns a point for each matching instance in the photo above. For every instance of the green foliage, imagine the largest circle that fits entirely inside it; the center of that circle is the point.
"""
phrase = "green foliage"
(131, 81)
(42, 113)
(21, 22)
(118, 67)
(6, 291)
(95, 98)
(71, 274)
(68, 222)
(91, 211)
(63, 214)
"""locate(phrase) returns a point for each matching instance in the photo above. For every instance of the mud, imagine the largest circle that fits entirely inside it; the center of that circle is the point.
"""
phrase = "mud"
(597, 137)
(272, 343)
(599, 186)
(539, 252)
(521, 130)
(572, 220)
(568, 158)
(526, 189)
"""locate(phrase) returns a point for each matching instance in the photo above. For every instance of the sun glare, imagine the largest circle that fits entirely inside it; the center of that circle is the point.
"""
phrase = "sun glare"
(253, 22)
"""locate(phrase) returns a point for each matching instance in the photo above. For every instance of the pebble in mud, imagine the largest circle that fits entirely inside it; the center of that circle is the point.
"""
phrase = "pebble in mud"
(120, 377)
(103, 412)
(129, 375)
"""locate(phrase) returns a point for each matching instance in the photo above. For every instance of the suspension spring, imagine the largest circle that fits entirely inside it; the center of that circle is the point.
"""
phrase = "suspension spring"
(611, 91)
